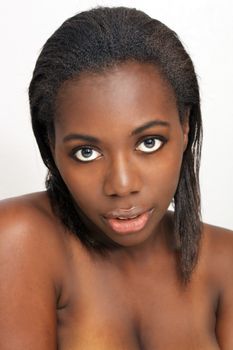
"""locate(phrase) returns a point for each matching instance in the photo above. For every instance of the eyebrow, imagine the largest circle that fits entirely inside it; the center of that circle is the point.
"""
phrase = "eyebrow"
(138, 130)
(149, 125)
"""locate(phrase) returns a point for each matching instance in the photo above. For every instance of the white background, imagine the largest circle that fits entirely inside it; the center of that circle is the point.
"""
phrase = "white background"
(205, 28)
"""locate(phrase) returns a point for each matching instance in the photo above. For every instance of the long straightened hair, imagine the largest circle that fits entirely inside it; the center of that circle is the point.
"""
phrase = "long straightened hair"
(95, 41)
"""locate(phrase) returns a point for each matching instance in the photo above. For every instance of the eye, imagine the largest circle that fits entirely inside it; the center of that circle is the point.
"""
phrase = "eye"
(150, 144)
(86, 154)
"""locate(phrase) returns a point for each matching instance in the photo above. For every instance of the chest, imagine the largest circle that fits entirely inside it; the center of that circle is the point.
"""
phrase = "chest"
(108, 311)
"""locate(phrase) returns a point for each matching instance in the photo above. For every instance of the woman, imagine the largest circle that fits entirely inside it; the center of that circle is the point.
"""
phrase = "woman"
(97, 261)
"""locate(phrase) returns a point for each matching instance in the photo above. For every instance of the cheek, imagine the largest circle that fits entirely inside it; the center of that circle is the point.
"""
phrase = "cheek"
(83, 187)
(164, 175)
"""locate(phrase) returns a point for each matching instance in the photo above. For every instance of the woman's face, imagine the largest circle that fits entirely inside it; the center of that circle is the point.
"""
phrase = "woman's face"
(119, 146)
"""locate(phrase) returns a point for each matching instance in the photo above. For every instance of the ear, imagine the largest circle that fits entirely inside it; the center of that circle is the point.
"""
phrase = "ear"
(185, 126)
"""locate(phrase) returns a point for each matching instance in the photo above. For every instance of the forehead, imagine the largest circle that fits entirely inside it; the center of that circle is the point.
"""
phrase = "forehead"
(124, 92)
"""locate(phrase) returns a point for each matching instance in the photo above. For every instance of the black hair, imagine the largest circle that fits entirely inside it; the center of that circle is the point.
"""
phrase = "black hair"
(94, 41)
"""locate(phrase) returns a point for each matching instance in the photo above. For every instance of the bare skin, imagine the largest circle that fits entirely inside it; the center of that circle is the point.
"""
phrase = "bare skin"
(56, 294)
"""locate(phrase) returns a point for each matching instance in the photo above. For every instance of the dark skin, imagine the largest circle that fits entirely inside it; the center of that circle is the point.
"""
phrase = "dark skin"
(54, 293)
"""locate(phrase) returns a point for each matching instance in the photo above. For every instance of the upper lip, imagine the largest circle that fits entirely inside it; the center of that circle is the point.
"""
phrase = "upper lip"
(125, 213)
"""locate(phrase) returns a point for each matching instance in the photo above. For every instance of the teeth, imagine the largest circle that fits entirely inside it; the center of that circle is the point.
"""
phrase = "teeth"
(132, 217)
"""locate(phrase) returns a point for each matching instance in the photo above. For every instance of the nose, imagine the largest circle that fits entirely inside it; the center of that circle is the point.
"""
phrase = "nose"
(122, 178)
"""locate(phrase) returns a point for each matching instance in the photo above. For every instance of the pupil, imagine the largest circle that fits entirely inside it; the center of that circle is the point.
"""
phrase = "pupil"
(86, 152)
(150, 143)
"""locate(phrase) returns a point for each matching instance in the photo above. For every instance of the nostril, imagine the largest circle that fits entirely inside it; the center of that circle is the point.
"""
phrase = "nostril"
(122, 194)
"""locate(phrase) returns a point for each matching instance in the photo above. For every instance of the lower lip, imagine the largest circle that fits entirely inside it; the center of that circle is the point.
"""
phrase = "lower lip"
(130, 225)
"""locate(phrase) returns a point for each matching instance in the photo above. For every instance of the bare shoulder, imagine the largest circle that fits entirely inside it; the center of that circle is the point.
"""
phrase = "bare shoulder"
(27, 222)
(32, 204)
(216, 234)
(29, 218)
(32, 270)
(218, 246)
(217, 252)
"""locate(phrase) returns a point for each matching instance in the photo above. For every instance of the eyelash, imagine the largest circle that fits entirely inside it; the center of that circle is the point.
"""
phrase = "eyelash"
(155, 138)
